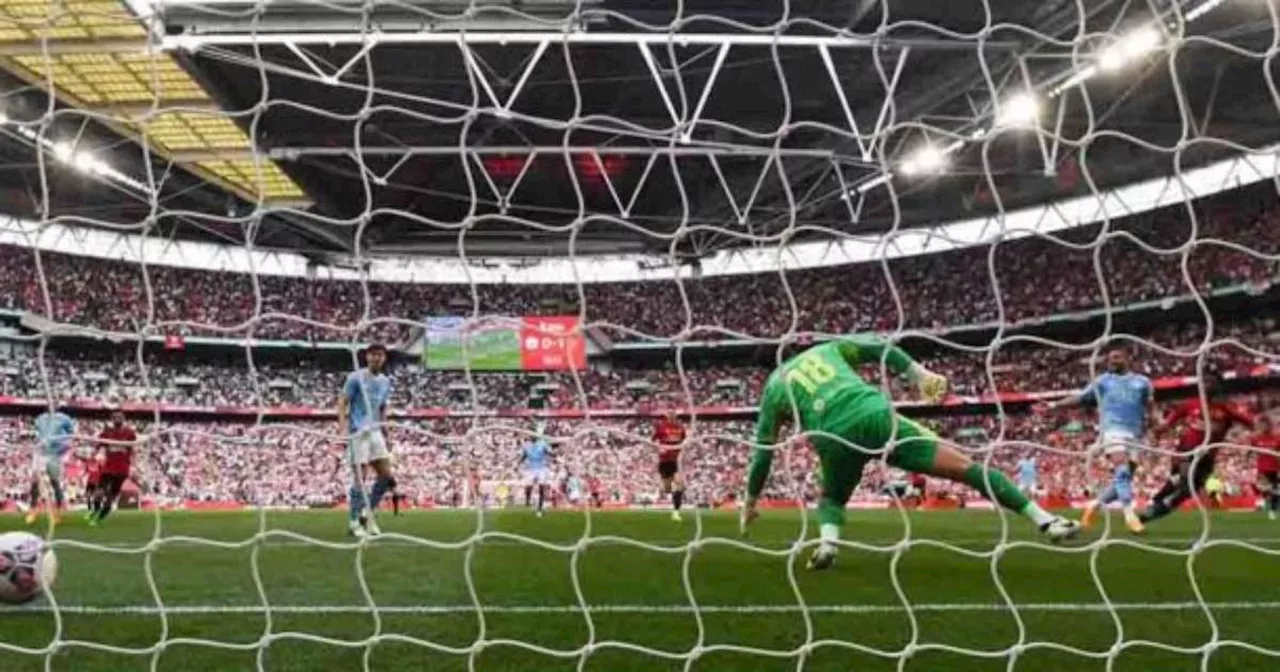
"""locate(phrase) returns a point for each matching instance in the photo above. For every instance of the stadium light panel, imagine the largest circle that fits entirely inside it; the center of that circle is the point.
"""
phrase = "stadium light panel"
(1202, 10)
(1020, 110)
(927, 159)
(62, 151)
(87, 163)
(1137, 43)
(871, 184)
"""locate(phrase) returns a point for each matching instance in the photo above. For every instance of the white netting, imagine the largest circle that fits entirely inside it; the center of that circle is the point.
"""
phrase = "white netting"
(808, 207)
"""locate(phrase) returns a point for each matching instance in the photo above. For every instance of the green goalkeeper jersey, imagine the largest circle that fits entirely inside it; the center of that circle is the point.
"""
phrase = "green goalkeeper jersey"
(824, 386)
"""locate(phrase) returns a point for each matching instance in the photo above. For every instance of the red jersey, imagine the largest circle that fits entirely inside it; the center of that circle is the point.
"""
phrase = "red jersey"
(1222, 417)
(1268, 461)
(120, 451)
(92, 472)
(668, 434)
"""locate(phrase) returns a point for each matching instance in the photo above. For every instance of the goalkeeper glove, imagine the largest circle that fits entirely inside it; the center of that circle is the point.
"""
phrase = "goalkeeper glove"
(933, 387)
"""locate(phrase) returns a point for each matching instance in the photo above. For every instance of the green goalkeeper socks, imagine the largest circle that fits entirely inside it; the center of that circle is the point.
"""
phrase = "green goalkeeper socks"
(995, 485)
(830, 513)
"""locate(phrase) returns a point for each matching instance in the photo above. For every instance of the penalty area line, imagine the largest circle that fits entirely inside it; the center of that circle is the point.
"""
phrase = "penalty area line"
(212, 609)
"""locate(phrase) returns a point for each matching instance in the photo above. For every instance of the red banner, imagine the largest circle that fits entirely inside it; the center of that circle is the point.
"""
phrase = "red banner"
(551, 344)
(174, 342)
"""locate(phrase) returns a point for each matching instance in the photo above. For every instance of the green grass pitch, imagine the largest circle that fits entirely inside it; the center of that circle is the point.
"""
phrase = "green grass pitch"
(526, 573)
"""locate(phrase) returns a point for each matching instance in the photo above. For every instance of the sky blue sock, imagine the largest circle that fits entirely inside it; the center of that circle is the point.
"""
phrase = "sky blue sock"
(376, 492)
(355, 502)
(1122, 483)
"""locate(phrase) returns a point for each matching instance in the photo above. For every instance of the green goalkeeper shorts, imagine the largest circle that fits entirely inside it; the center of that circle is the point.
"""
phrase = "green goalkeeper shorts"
(913, 447)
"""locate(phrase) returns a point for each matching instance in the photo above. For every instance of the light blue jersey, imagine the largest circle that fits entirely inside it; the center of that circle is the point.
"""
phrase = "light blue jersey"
(54, 432)
(1122, 400)
(1027, 471)
(367, 394)
(537, 454)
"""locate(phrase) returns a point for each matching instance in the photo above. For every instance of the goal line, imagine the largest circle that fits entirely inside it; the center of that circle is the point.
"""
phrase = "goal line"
(207, 609)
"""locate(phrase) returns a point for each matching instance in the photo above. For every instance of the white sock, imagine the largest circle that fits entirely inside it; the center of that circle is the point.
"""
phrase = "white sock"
(829, 533)
(1038, 515)
(1130, 513)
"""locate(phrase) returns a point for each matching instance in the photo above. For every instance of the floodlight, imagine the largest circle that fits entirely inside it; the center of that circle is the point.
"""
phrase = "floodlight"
(1022, 109)
(62, 151)
(927, 159)
(87, 163)
(1129, 47)
(1201, 10)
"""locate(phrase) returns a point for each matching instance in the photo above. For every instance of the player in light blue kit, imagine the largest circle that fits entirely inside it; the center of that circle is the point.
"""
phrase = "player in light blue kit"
(54, 431)
(536, 458)
(1028, 475)
(362, 413)
(1125, 400)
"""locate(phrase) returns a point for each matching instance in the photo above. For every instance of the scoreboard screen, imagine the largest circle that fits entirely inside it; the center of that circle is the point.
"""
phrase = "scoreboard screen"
(504, 343)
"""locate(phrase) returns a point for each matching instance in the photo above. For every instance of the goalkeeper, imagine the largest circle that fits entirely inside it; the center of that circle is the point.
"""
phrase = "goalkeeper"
(832, 401)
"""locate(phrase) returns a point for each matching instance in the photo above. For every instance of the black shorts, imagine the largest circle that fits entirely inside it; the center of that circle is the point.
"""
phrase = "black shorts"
(112, 483)
(1200, 470)
(668, 469)
(1189, 478)
(1270, 480)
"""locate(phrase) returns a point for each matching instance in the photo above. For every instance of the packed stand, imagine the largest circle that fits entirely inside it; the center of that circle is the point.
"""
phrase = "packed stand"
(1015, 368)
(933, 291)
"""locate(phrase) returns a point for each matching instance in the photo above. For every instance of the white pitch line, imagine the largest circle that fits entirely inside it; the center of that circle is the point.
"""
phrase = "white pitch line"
(208, 609)
(971, 542)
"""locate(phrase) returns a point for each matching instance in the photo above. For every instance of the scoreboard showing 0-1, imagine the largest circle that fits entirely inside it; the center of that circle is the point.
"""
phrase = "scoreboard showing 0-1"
(504, 343)
(551, 343)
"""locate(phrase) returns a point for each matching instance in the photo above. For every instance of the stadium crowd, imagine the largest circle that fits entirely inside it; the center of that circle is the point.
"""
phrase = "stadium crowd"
(452, 461)
(1141, 259)
(1015, 368)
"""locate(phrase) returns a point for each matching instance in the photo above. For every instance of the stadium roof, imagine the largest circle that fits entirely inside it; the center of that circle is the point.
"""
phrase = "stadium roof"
(72, 49)
(547, 127)
(1132, 199)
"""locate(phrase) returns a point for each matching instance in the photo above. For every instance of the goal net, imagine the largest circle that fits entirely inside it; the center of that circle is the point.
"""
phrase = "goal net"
(582, 235)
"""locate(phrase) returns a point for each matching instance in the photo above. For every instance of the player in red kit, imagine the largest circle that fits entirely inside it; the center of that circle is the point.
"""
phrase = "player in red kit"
(92, 482)
(116, 441)
(1268, 483)
(596, 490)
(1188, 473)
(669, 434)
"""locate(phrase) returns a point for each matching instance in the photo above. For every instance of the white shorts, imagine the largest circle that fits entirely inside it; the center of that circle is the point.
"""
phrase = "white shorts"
(367, 446)
(47, 465)
(1115, 442)
(537, 476)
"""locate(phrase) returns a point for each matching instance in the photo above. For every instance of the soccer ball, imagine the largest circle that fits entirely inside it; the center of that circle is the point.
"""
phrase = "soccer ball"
(26, 565)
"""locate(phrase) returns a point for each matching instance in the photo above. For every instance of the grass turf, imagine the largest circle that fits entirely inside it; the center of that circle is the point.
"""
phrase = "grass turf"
(642, 616)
